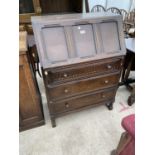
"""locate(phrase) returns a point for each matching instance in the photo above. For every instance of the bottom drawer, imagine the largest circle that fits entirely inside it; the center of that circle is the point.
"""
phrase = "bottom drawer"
(75, 103)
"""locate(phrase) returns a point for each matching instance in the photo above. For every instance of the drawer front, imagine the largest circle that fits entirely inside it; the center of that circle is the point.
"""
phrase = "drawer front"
(83, 86)
(80, 102)
(69, 74)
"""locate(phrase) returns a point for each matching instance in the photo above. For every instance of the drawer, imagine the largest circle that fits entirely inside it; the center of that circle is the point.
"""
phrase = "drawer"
(83, 86)
(78, 71)
(88, 100)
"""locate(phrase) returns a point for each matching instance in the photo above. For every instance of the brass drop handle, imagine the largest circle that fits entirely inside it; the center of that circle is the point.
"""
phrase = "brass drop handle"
(66, 90)
(103, 96)
(106, 81)
(33, 55)
(109, 66)
(66, 105)
(65, 75)
(46, 73)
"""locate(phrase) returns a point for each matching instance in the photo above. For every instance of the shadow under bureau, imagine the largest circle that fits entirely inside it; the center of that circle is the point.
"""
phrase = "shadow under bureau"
(81, 56)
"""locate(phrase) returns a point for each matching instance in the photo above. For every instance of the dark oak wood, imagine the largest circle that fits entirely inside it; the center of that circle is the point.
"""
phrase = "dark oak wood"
(78, 71)
(61, 6)
(30, 107)
(81, 57)
(86, 85)
(99, 88)
(33, 55)
(45, 7)
(78, 38)
(83, 100)
(131, 98)
(25, 12)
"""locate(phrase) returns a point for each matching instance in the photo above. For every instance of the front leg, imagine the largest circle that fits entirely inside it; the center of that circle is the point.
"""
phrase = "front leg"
(53, 121)
(109, 105)
(131, 98)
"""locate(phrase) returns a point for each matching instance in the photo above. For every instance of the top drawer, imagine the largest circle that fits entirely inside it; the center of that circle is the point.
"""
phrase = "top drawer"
(64, 74)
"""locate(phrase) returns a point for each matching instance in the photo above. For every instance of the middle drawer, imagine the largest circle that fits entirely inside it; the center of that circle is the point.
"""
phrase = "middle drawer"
(83, 86)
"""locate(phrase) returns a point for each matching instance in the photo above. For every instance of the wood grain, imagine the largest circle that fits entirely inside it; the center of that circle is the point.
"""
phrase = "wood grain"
(30, 107)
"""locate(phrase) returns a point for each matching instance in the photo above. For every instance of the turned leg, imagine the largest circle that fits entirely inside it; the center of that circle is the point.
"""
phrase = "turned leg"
(53, 122)
(110, 105)
(131, 98)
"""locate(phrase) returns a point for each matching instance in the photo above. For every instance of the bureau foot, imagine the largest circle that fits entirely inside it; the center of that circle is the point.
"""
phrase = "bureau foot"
(131, 100)
(53, 122)
(110, 105)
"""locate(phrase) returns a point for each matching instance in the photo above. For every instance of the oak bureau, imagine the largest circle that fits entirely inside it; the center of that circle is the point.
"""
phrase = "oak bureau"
(81, 56)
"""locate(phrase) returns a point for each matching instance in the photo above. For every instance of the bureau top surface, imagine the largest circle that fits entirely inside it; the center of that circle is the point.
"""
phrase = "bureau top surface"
(73, 17)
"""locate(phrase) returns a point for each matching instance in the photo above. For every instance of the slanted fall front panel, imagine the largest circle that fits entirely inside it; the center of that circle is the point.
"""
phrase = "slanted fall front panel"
(84, 41)
(55, 46)
(109, 35)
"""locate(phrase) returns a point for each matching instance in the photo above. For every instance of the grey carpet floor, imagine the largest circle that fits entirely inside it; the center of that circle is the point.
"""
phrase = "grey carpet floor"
(93, 131)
